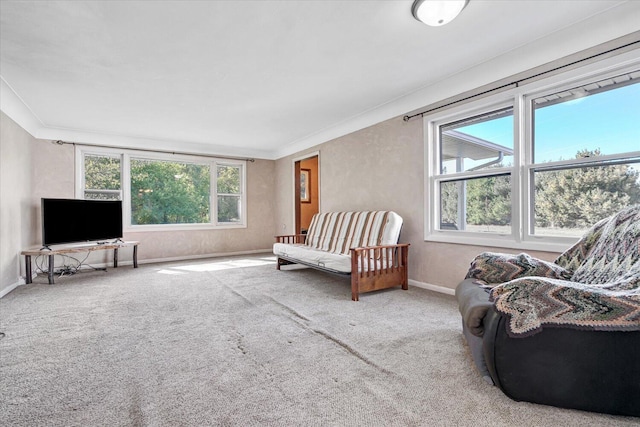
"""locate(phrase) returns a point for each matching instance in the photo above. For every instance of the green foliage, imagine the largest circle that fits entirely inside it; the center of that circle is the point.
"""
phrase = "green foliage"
(489, 201)
(449, 192)
(228, 209)
(165, 192)
(102, 172)
(571, 198)
(228, 182)
(577, 198)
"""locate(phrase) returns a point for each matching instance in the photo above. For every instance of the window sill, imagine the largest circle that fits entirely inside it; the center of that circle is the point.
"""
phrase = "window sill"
(180, 227)
(557, 245)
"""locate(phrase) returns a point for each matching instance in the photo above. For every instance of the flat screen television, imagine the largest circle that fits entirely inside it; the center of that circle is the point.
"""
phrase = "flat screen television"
(75, 220)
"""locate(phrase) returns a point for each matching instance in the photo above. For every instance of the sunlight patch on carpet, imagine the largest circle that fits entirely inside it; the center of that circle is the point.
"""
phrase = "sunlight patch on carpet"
(165, 271)
(225, 265)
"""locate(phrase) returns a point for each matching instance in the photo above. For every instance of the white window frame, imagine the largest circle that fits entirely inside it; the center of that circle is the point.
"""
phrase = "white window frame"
(522, 169)
(215, 194)
(80, 187)
(125, 176)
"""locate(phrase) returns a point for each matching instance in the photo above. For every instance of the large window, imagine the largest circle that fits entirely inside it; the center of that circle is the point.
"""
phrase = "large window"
(583, 164)
(537, 165)
(169, 192)
(165, 191)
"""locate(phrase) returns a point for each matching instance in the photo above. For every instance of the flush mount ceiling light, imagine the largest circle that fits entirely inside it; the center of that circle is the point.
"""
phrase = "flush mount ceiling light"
(437, 12)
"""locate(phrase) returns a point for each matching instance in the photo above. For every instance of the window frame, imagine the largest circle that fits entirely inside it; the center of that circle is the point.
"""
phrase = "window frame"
(523, 169)
(214, 178)
(125, 175)
(80, 192)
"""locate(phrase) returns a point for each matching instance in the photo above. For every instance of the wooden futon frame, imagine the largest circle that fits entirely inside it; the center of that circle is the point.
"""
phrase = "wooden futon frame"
(372, 267)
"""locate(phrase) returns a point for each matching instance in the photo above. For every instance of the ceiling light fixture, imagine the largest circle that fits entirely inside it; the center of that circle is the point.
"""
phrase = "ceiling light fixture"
(437, 12)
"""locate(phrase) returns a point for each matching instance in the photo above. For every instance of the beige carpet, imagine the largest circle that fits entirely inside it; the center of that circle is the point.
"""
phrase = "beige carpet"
(233, 342)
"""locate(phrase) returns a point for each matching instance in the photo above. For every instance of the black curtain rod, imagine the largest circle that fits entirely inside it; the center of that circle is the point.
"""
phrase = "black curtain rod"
(146, 150)
(517, 83)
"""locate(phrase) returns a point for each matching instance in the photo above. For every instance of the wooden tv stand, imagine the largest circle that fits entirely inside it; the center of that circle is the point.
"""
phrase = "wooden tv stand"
(74, 249)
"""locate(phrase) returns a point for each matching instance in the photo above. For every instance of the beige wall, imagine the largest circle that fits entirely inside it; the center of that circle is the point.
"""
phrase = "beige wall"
(382, 167)
(16, 222)
(32, 169)
(53, 176)
(257, 236)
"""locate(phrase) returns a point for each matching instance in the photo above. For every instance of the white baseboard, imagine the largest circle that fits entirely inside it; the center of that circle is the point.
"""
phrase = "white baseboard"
(423, 285)
(429, 286)
(92, 266)
(177, 258)
(9, 288)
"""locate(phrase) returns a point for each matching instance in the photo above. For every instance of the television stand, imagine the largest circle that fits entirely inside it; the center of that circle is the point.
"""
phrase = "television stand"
(49, 252)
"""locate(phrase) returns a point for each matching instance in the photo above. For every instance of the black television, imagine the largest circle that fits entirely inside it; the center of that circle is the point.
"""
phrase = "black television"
(76, 220)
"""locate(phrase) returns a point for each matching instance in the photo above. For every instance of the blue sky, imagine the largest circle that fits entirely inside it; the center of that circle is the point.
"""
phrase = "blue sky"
(609, 121)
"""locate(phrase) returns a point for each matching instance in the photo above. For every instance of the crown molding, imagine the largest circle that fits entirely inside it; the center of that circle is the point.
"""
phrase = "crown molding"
(18, 110)
(14, 107)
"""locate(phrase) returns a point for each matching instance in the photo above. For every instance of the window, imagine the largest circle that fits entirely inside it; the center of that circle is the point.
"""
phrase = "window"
(165, 191)
(474, 182)
(169, 192)
(537, 165)
(477, 204)
(583, 168)
(102, 177)
(229, 184)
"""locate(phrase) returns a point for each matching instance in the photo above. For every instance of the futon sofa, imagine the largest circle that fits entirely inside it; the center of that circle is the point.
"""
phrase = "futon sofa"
(362, 244)
(563, 333)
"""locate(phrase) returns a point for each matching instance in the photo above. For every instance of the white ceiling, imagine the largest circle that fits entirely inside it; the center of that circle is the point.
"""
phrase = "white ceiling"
(266, 78)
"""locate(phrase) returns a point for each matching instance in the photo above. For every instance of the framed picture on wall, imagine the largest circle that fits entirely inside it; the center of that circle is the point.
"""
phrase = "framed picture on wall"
(305, 185)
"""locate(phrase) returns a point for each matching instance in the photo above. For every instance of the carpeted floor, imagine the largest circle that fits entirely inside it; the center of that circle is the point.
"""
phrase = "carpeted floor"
(233, 342)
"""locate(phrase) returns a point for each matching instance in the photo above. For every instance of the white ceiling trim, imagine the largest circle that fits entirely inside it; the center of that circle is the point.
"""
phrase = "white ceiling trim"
(14, 107)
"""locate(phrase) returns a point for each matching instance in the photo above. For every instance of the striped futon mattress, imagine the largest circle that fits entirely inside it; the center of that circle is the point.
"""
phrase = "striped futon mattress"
(331, 235)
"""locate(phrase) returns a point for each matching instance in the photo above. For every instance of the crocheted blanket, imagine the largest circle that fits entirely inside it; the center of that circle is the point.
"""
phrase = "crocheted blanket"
(533, 303)
(594, 285)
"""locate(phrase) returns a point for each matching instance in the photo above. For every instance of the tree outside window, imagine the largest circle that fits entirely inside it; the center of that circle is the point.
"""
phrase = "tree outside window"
(165, 192)
(102, 177)
(229, 186)
(578, 161)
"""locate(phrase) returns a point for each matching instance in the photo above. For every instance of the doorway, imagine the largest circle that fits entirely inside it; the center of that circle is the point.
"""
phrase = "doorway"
(307, 194)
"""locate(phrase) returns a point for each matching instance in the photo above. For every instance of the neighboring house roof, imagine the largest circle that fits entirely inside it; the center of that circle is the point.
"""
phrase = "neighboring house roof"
(457, 144)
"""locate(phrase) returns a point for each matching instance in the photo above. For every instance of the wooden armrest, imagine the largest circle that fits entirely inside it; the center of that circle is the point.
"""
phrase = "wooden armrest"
(291, 238)
(379, 267)
(379, 258)
(369, 248)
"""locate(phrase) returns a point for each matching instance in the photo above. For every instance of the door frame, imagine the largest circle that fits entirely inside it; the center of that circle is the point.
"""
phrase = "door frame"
(295, 166)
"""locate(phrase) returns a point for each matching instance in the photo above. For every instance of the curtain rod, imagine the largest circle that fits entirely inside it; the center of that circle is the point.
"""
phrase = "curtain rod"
(517, 83)
(147, 150)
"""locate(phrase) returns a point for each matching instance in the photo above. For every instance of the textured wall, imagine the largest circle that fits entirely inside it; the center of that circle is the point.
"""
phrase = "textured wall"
(16, 223)
(53, 176)
(257, 236)
(382, 167)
